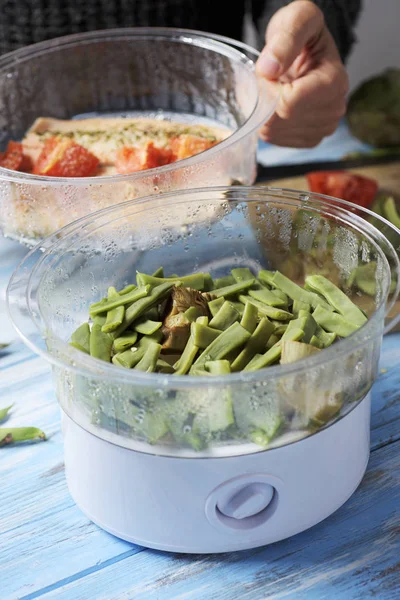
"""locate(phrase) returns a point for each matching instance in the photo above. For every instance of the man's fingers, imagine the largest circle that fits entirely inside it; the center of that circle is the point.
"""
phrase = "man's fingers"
(289, 31)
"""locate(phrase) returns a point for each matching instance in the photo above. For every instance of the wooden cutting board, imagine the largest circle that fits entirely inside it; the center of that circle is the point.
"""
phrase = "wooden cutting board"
(387, 176)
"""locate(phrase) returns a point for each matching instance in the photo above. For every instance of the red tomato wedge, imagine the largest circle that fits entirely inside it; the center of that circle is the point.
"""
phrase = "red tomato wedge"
(65, 158)
(13, 157)
(187, 145)
(357, 189)
(130, 159)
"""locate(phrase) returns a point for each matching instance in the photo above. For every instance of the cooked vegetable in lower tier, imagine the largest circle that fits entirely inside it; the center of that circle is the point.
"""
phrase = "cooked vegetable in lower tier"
(194, 324)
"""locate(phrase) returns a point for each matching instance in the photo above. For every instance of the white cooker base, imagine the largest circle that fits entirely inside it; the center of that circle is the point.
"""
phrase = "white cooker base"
(170, 503)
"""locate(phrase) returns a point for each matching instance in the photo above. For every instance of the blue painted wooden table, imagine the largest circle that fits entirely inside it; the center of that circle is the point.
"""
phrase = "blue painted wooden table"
(49, 549)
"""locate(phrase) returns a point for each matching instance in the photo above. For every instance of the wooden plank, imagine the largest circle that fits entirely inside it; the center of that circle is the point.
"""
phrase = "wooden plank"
(352, 555)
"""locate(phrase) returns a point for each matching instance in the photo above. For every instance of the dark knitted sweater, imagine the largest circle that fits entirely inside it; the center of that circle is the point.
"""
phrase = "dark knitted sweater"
(24, 22)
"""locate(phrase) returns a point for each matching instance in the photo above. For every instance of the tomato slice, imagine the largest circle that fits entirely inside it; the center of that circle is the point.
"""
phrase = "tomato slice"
(65, 158)
(187, 145)
(130, 159)
(357, 189)
(13, 157)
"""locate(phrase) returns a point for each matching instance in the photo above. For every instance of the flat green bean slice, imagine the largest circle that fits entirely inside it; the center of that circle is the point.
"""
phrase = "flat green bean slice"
(296, 292)
(307, 324)
(9, 435)
(129, 358)
(148, 363)
(226, 315)
(267, 311)
(267, 277)
(333, 322)
(81, 338)
(215, 305)
(202, 335)
(242, 274)
(256, 344)
(114, 319)
(195, 281)
(159, 272)
(184, 363)
(250, 317)
(127, 289)
(298, 305)
(338, 299)
(230, 339)
(267, 297)
(138, 308)
(233, 290)
(4, 412)
(100, 344)
(218, 367)
(147, 327)
(126, 341)
(128, 298)
(322, 339)
(193, 313)
(259, 361)
(223, 282)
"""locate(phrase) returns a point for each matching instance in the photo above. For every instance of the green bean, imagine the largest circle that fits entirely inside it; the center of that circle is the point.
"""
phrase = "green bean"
(273, 340)
(208, 283)
(267, 311)
(127, 289)
(267, 277)
(256, 343)
(193, 313)
(307, 324)
(333, 322)
(147, 327)
(99, 320)
(261, 438)
(296, 292)
(281, 328)
(153, 314)
(233, 290)
(128, 358)
(4, 412)
(226, 315)
(114, 319)
(138, 308)
(127, 340)
(131, 357)
(281, 295)
(202, 335)
(8, 435)
(159, 272)
(259, 361)
(233, 337)
(322, 339)
(133, 296)
(340, 302)
(148, 363)
(267, 297)
(242, 274)
(390, 212)
(164, 367)
(293, 351)
(300, 305)
(184, 363)
(202, 320)
(223, 282)
(81, 338)
(100, 344)
(249, 318)
(215, 305)
(195, 281)
(218, 367)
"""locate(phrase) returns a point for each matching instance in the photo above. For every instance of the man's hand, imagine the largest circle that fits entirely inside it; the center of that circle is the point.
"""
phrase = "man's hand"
(302, 54)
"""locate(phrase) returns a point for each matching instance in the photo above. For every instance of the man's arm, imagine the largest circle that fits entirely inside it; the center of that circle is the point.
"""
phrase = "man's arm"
(340, 17)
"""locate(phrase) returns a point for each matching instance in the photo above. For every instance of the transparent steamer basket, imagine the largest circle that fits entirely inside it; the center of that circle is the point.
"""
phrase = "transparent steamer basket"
(242, 413)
